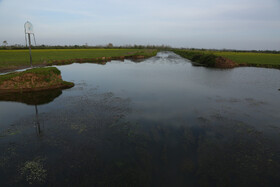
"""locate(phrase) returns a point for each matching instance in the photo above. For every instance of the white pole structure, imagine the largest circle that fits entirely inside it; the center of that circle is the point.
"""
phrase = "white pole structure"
(28, 29)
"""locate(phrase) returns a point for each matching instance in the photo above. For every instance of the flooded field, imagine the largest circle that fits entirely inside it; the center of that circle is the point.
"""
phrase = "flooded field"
(159, 122)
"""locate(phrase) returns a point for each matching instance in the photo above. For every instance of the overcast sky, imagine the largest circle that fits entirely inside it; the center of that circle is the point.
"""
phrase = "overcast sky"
(234, 24)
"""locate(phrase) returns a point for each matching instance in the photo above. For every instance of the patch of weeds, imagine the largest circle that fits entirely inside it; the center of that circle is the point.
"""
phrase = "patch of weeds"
(8, 155)
(47, 79)
(16, 86)
(9, 132)
(68, 83)
(33, 171)
(80, 128)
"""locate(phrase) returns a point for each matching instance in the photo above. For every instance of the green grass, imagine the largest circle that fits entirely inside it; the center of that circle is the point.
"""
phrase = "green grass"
(16, 58)
(241, 58)
(251, 58)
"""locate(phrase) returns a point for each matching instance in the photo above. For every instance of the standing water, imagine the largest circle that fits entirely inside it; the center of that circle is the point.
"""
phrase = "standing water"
(160, 122)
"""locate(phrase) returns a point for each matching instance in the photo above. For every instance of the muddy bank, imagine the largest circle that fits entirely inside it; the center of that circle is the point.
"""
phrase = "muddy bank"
(36, 79)
(222, 62)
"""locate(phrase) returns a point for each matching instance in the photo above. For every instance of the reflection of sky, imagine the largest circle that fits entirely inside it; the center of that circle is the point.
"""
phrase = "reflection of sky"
(168, 89)
(165, 89)
(10, 111)
(250, 24)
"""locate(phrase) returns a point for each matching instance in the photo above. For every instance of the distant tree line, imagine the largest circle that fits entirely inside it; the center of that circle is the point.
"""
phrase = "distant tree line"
(5, 46)
(108, 46)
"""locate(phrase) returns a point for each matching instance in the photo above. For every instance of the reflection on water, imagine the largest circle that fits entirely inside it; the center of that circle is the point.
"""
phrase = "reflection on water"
(154, 123)
(37, 122)
(32, 98)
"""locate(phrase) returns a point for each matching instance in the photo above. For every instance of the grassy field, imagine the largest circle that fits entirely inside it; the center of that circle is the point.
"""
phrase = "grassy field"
(18, 58)
(246, 58)
(251, 58)
(12, 59)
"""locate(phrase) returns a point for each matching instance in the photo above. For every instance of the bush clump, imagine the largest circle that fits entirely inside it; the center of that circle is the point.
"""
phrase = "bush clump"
(33, 171)
(204, 59)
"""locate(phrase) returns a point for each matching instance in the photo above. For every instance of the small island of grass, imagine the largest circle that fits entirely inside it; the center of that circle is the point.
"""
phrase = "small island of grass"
(36, 79)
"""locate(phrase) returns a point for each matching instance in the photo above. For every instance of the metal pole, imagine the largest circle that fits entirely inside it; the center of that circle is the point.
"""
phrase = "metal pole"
(34, 39)
(25, 41)
(30, 50)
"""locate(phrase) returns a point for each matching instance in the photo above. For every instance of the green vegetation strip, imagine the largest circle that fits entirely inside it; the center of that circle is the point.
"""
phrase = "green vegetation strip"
(12, 59)
(255, 59)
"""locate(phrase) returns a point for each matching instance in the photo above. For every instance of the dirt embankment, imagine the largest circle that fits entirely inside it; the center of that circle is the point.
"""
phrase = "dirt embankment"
(33, 80)
(222, 62)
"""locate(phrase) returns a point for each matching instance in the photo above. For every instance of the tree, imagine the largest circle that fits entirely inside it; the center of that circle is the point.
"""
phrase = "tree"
(5, 43)
(110, 45)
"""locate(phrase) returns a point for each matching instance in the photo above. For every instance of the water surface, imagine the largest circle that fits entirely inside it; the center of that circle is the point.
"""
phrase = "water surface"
(160, 122)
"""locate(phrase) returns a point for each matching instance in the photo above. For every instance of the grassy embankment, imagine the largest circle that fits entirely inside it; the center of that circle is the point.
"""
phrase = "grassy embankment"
(15, 59)
(36, 79)
(208, 58)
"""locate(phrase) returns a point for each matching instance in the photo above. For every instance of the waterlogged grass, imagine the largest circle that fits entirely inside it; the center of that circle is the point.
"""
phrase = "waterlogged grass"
(17, 58)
